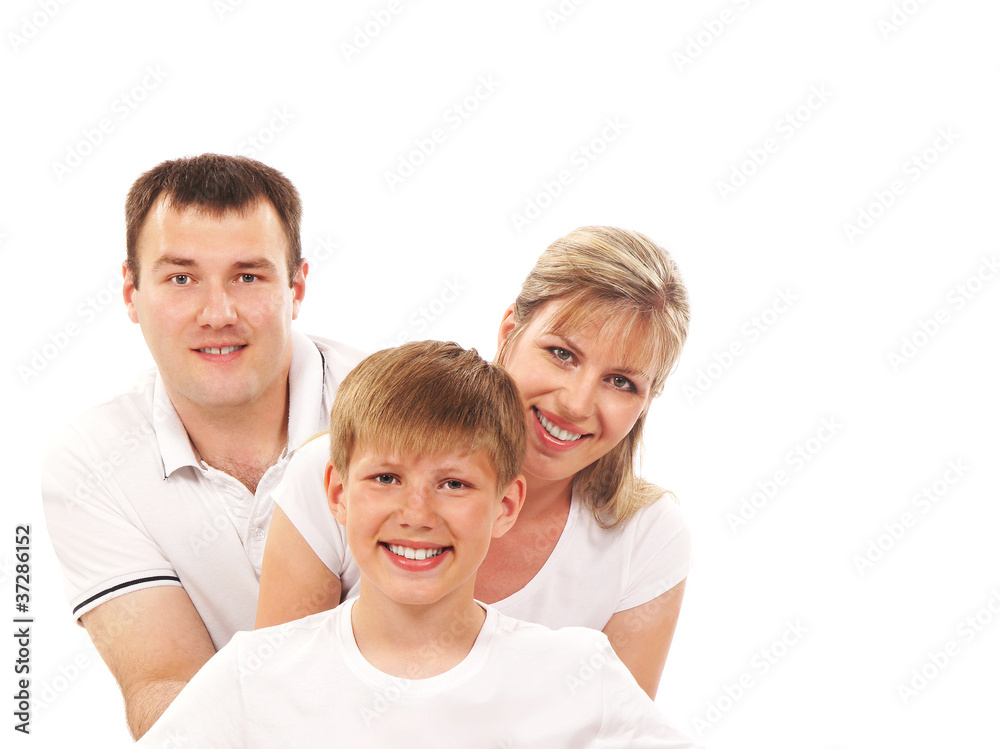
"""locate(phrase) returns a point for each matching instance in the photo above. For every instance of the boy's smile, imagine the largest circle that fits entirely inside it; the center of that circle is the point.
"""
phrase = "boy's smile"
(420, 526)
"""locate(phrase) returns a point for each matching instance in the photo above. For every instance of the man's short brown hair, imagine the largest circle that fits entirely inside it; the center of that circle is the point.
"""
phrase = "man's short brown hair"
(215, 184)
(426, 398)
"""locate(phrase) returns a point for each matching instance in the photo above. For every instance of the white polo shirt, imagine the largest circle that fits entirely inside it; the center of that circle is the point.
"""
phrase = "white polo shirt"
(129, 505)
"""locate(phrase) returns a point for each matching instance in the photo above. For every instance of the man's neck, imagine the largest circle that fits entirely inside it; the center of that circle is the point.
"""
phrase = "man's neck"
(243, 441)
(416, 642)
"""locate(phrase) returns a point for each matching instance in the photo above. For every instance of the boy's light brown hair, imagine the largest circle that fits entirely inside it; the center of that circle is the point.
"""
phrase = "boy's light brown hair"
(429, 397)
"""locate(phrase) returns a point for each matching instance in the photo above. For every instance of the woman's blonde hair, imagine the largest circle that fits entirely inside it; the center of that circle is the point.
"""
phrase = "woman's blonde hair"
(627, 285)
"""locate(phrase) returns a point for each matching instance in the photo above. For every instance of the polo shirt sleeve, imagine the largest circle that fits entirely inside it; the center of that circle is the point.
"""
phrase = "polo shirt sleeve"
(101, 543)
(659, 552)
(301, 495)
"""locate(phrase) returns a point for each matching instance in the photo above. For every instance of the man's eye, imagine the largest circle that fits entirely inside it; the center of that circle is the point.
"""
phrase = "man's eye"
(181, 279)
(248, 278)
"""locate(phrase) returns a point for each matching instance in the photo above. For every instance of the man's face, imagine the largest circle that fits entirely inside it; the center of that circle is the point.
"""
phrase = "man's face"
(214, 304)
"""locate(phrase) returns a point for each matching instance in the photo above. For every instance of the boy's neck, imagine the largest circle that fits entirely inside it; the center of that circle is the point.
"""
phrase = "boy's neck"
(415, 642)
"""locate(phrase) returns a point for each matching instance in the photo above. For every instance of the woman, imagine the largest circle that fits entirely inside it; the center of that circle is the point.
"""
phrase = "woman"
(596, 329)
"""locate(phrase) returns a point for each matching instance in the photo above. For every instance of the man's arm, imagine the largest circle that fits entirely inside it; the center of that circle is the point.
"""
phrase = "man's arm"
(153, 641)
(641, 636)
(294, 582)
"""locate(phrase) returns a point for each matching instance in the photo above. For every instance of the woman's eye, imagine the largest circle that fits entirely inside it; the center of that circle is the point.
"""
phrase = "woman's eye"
(622, 383)
(561, 354)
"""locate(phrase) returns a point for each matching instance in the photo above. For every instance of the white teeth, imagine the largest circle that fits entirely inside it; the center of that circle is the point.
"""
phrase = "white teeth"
(223, 350)
(559, 434)
(417, 554)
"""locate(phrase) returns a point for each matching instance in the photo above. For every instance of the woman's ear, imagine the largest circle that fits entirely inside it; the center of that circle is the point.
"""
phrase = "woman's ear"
(507, 325)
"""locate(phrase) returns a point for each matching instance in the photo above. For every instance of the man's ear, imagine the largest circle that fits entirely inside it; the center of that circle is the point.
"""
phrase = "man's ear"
(510, 505)
(128, 293)
(507, 325)
(299, 287)
(336, 493)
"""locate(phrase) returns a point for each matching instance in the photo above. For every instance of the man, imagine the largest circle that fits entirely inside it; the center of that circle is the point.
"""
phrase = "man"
(158, 500)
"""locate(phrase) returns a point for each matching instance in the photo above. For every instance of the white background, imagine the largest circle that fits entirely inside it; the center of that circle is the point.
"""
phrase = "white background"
(801, 559)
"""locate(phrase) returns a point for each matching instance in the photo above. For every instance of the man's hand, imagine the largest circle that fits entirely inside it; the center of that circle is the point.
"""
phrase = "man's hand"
(153, 641)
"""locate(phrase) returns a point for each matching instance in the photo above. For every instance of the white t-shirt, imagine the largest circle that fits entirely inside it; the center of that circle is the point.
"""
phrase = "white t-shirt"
(129, 506)
(306, 684)
(591, 574)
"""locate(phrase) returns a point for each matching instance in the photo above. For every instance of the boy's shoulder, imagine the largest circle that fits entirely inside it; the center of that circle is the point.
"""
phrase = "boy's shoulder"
(566, 643)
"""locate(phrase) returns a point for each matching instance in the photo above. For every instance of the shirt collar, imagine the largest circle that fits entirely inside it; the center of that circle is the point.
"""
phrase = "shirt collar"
(307, 411)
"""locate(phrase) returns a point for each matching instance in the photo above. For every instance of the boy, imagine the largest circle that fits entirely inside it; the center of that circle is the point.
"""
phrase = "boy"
(427, 442)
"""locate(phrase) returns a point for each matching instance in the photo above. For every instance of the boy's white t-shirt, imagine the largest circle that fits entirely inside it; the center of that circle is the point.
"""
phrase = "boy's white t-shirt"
(306, 684)
(591, 574)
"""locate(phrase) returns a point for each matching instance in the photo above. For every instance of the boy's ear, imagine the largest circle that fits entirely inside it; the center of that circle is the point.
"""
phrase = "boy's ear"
(336, 493)
(510, 505)
(507, 325)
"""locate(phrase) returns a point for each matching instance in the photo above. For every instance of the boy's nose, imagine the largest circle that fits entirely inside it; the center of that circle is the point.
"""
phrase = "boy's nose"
(417, 508)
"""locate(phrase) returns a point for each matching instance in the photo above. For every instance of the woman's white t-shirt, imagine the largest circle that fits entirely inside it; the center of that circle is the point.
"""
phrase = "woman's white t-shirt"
(591, 574)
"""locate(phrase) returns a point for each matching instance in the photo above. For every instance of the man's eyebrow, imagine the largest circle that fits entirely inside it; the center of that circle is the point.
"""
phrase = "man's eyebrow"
(183, 262)
(256, 263)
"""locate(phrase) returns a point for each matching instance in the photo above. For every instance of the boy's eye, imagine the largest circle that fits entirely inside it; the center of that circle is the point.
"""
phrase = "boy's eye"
(385, 478)
(454, 484)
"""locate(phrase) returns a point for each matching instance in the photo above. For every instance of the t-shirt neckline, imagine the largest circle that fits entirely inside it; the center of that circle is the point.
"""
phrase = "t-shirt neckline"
(454, 676)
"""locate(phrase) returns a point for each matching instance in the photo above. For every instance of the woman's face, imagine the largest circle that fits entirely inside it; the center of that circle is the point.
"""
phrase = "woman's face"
(582, 393)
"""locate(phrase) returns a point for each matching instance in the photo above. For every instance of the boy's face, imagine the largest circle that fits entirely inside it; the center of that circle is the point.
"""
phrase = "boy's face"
(420, 526)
